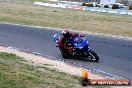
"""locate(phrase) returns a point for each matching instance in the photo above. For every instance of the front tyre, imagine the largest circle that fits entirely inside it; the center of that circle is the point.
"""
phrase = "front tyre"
(64, 53)
(94, 57)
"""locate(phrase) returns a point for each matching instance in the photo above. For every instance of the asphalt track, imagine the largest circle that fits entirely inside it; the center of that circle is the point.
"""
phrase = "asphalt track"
(115, 54)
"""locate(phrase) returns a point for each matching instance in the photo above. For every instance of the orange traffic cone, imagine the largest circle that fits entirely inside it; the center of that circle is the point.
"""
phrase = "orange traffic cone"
(84, 79)
(84, 73)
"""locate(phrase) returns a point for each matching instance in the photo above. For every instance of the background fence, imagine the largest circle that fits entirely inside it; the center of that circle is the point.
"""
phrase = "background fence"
(107, 10)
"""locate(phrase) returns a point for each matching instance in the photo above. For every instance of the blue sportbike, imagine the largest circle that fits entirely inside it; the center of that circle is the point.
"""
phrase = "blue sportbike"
(81, 48)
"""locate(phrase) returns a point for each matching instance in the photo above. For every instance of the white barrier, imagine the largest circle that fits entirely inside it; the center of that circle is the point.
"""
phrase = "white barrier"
(50, 5)
(94, 9)
(107, 10)
(113, 11)
(104, 10)
(129, 12)
(125, 12)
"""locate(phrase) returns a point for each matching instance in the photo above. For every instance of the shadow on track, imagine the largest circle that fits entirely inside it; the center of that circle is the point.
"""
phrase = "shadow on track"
(80, 59)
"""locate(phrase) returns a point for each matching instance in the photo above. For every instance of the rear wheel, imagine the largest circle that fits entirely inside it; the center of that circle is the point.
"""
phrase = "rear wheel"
(94, 57)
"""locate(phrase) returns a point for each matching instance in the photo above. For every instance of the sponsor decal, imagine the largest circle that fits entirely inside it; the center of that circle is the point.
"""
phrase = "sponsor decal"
(85, 81)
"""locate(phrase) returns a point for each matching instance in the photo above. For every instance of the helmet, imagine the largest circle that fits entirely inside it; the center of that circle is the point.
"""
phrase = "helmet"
(65, 33)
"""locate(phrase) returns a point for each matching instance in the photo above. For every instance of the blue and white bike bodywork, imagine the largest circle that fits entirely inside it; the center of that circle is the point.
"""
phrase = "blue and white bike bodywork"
(81, 48)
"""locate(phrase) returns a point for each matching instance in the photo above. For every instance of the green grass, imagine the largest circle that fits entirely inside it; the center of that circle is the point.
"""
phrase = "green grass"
(13, 57)
(25, 1)
(16, 73)
(102, 87)
(30, 14)
(22, 1)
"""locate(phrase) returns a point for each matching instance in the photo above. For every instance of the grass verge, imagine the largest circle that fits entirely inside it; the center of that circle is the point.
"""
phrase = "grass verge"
(29, 14)
(16, 73)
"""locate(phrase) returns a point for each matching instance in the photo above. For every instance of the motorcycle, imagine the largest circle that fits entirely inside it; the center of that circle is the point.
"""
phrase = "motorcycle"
(81, 48)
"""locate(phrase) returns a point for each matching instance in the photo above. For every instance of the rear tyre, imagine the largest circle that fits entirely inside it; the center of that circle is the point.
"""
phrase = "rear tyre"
(94, 57)
(64, 53)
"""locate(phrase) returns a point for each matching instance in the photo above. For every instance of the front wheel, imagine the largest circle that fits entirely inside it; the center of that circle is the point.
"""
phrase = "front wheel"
(93, 56)
(64, 53)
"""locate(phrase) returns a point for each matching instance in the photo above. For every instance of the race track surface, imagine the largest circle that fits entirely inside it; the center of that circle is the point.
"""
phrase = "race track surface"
(115, 54)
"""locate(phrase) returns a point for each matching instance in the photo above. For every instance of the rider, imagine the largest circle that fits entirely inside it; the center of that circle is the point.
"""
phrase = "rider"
(65, 40)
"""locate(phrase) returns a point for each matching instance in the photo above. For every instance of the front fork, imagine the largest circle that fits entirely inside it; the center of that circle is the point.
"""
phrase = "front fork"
(89, 54)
